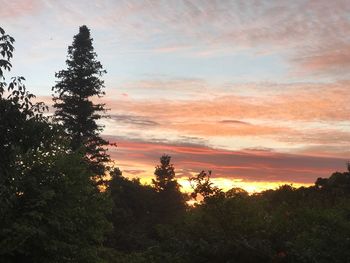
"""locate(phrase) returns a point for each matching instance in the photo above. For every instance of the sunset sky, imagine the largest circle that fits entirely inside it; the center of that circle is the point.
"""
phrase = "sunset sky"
(256, 91)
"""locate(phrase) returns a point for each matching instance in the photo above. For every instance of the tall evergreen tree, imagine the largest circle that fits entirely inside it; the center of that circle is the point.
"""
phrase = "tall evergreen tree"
(76, 87)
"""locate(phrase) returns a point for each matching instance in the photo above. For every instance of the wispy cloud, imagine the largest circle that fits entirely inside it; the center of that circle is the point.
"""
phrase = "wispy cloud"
(133, 120)
(235, 122)
(315, 41)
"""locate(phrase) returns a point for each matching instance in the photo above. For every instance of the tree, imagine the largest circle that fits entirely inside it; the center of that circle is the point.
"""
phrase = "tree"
(6, 50)
(165, 175)
(56, 214)
(133, 214)
(171, 200)
(202, 186)
(17, 113)
(50, 210)
(76, 87)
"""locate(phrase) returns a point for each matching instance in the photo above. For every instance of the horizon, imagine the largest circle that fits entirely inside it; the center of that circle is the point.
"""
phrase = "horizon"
(256, 93)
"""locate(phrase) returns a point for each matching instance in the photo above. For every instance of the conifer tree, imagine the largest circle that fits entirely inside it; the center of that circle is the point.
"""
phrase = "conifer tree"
(165, 175)
(76, 87)
(171, 200)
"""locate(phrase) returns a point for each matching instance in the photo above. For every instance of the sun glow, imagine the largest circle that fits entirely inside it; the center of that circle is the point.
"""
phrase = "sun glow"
(249, 186)
(145, 173)
(226, 184)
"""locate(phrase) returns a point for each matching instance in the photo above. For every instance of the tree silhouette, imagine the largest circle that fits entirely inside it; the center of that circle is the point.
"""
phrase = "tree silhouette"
(171, 200)
(202, 185)
(133, 215)
(6, 50)
(16, 109)
(165, 175)
(76, 87)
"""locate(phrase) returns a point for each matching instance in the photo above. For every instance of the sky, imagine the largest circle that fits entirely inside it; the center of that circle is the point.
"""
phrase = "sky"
(255, 91)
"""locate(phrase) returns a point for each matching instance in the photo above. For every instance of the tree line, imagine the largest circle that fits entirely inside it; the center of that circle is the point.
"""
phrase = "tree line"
(56, 204)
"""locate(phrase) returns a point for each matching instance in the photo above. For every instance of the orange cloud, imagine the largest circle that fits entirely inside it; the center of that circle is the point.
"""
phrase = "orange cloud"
(208, 128)
(304, 102)
(301, 114)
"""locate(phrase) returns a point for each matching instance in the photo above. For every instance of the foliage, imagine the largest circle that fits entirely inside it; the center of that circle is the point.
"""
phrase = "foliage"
(76, 87)
(202, 186)
(282, 225)
(51, 218)
(165, 175)
(171, 202)
(142, 214)
(6, 52)
(50, 210)
(134, 214)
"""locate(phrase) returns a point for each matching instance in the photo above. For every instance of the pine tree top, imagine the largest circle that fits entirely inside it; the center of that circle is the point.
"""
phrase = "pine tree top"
(83, 69)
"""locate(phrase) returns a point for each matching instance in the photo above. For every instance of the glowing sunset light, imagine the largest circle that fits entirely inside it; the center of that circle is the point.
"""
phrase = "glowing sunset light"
(227, 184)
(254, 171)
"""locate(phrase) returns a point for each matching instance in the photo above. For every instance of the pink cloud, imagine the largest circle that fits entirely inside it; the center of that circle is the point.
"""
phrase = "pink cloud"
(15, 8)
(247, 165)
(334, 58)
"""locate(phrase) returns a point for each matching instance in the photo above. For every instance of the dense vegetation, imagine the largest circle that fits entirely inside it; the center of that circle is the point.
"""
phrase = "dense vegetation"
(53, 210)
